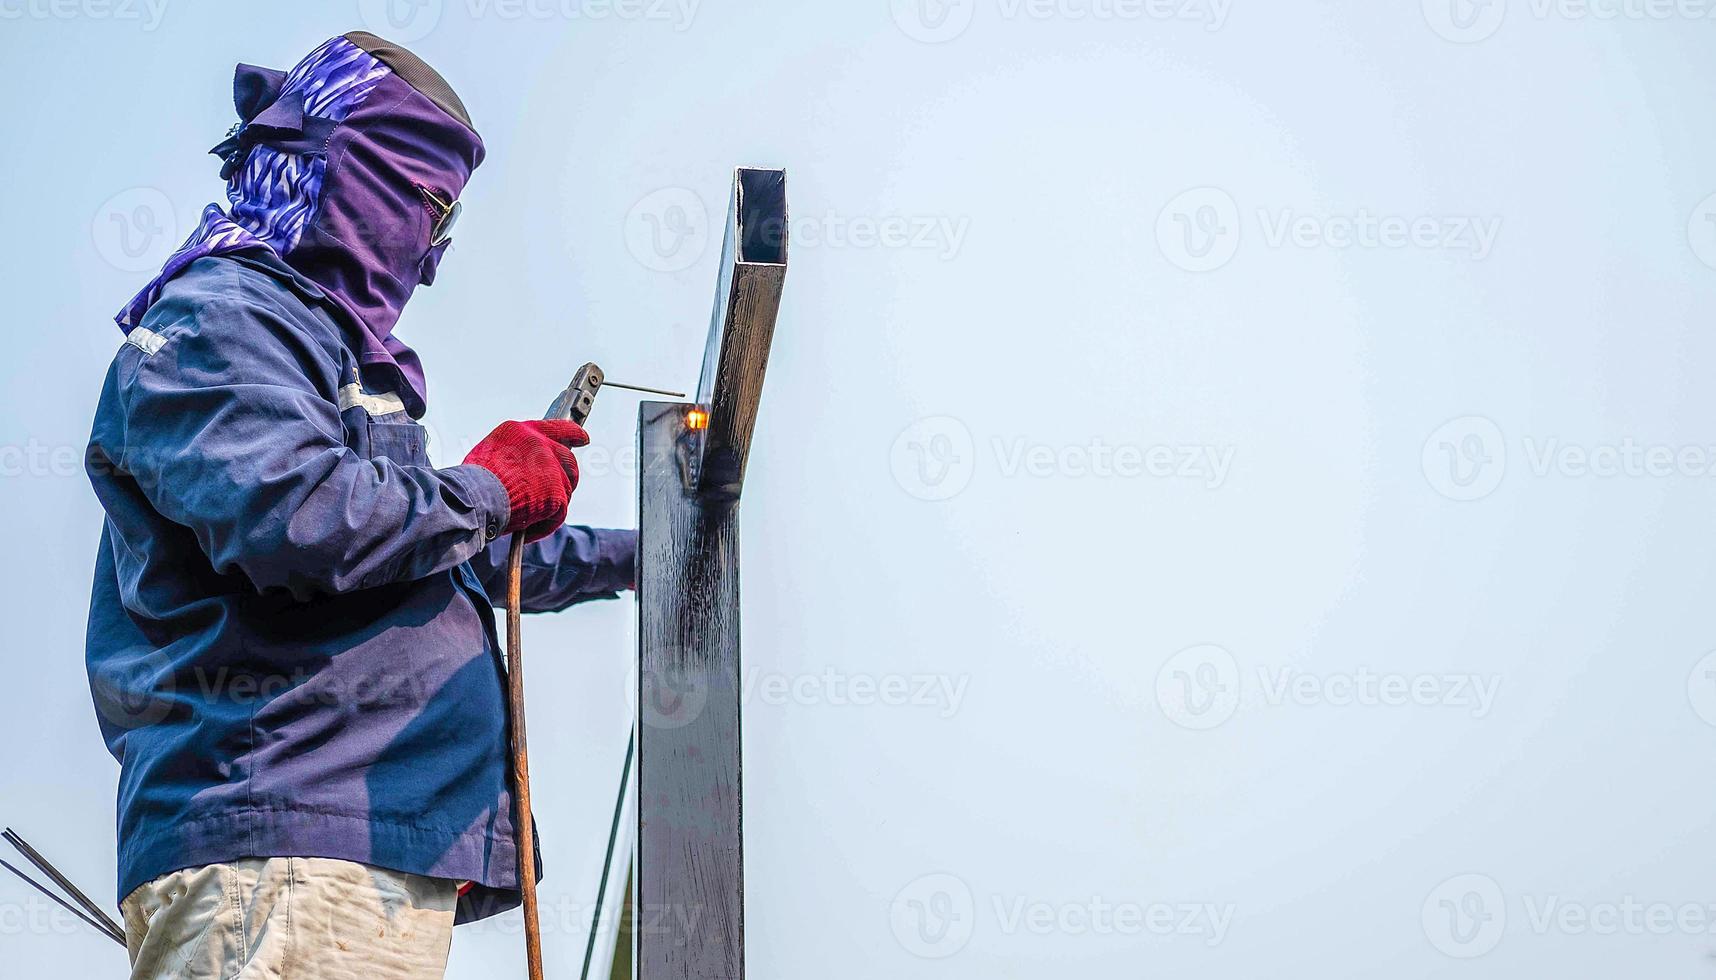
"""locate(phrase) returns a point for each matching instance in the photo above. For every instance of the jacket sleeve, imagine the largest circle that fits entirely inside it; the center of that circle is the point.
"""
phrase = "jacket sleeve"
(572, 565)
(230, 429)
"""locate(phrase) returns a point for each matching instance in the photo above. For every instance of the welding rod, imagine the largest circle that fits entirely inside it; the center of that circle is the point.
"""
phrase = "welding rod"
(46, 867)
(38, 886)
(653, 391)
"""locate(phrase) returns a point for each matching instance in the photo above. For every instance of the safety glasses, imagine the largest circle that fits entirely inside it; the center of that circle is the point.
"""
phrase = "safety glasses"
(446, 215)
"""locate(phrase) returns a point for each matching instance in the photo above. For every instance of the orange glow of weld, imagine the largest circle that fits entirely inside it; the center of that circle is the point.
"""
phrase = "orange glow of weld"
(697, 419)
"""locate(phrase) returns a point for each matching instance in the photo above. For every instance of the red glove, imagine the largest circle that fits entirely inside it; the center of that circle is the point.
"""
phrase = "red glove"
(534, 462)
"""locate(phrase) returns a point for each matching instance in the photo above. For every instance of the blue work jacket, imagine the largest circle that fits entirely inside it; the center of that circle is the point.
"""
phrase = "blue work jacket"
(292, 643)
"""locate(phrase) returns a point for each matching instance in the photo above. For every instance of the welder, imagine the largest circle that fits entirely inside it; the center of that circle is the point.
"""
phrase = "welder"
(292, 644)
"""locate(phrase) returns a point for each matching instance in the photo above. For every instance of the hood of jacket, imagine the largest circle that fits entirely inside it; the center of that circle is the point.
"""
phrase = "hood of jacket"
(343, 167)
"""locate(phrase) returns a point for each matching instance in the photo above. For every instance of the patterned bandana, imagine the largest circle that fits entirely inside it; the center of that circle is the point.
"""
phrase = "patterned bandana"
(336, 167)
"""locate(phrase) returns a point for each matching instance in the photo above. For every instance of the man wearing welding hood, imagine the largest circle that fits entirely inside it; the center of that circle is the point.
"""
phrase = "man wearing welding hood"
(292, 646)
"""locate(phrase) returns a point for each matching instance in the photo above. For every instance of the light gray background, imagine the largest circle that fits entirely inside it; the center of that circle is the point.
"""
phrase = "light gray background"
(1018, 704)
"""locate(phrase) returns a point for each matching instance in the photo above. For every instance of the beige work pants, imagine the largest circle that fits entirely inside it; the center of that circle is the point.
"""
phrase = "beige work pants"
(290, 919)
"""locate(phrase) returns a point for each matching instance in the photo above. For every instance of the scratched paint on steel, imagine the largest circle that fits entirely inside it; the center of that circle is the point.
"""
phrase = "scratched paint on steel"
(690, 862)
(742, 325)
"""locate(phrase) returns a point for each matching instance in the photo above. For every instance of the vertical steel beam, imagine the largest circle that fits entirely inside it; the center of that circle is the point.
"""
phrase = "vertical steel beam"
(689, 914)
(688, 909)
(747, 298)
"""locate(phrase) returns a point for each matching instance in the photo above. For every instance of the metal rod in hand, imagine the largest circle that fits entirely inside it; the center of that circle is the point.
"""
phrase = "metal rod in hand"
(654, 391)
(525, 829)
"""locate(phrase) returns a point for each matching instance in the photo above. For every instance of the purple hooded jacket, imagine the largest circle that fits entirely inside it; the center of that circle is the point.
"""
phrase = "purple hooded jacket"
(291, 644)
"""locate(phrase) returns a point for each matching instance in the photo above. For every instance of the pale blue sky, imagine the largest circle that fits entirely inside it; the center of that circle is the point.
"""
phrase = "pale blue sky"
(1233, 490)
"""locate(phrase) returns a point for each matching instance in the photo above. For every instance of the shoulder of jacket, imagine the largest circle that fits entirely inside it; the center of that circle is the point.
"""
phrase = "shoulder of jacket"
(227, 301)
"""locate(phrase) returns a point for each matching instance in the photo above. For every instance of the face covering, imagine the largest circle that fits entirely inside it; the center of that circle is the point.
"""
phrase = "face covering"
(345, 167)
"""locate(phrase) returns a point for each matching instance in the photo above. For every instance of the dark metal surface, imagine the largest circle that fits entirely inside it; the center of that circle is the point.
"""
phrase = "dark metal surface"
(690, 854)
(747, 299)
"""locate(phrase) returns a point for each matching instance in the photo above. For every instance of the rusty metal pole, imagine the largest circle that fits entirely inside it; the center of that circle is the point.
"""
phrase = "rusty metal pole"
(525, 829)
